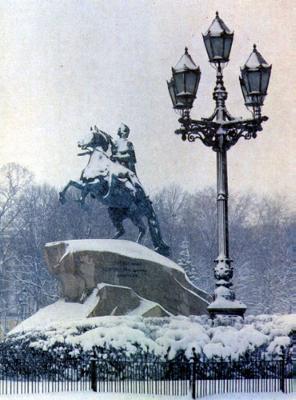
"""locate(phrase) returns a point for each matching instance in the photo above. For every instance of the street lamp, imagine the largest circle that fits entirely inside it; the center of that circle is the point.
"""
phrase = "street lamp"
(184, 82)
(220, 132)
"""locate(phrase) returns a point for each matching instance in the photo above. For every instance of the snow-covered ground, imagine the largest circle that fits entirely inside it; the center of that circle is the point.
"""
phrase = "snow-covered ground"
(159, 334)
(120, 396)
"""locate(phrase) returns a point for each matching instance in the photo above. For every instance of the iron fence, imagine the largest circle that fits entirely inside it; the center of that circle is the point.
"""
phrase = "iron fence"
(199, 377)
(179, 378)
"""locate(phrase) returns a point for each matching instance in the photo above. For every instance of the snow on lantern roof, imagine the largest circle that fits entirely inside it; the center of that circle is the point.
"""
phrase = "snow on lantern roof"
(218, 27)
(256, 60)
(185, 63)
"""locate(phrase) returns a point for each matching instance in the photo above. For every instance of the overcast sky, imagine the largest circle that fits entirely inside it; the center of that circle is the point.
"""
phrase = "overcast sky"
(66, 65)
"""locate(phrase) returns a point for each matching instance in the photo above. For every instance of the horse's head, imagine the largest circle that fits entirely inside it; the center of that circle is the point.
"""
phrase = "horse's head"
(97, 138)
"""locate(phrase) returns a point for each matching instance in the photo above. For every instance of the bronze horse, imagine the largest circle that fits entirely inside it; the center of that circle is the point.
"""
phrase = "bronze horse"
(118, 188)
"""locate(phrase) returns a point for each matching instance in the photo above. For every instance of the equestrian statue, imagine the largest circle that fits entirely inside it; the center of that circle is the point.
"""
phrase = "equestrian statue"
(110, 177)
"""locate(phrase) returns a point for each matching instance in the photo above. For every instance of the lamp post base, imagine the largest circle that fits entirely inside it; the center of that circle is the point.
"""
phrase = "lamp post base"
(222, 307)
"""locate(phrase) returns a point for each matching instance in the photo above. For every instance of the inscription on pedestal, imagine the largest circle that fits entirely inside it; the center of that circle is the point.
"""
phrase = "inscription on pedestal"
(126, 270)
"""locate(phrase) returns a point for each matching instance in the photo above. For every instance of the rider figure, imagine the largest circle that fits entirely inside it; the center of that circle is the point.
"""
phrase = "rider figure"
(122, 153)
(123, 150)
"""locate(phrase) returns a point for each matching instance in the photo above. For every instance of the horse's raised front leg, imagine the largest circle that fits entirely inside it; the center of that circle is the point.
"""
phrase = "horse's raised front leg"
(84, 192)
(62, 194)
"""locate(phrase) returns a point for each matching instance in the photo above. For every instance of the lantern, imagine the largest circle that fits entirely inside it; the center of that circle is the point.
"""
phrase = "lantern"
(254, 80)
(218, 41)
(184, 83)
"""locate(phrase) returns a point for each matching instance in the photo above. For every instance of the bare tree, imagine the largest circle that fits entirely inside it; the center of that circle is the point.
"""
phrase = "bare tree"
(14, 181)
(170, 206)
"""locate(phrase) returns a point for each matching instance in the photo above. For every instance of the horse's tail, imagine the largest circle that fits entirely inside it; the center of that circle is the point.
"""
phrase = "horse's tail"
(160, 246)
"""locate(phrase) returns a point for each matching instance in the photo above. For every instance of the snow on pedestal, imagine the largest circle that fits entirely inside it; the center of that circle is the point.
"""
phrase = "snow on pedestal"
(222, 306)
(136, 279)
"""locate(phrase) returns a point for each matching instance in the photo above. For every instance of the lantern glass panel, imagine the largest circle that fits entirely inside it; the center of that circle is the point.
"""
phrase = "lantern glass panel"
(171, 87)
(227, 46)
(218, 47)
(247, 98)
(265, 79)
(254, 79)
(192, 80)
(245, 80)
(207, 42)
(179, 82)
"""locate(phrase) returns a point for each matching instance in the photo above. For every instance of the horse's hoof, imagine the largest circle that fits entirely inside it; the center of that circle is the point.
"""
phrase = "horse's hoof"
(164, 250)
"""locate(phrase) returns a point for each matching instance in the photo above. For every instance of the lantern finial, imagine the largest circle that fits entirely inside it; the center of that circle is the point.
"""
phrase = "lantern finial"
(186, 50)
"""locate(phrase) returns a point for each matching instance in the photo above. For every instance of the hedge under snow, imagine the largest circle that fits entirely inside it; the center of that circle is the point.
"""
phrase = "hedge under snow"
(128, 334)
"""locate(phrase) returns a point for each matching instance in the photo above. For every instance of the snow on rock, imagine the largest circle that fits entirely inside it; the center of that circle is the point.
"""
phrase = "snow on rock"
(122, 247)
(131, 270)
(158, 334)
(62, 311)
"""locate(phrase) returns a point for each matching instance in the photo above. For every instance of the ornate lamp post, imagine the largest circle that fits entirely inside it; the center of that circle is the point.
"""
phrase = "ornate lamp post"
(220, 132)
